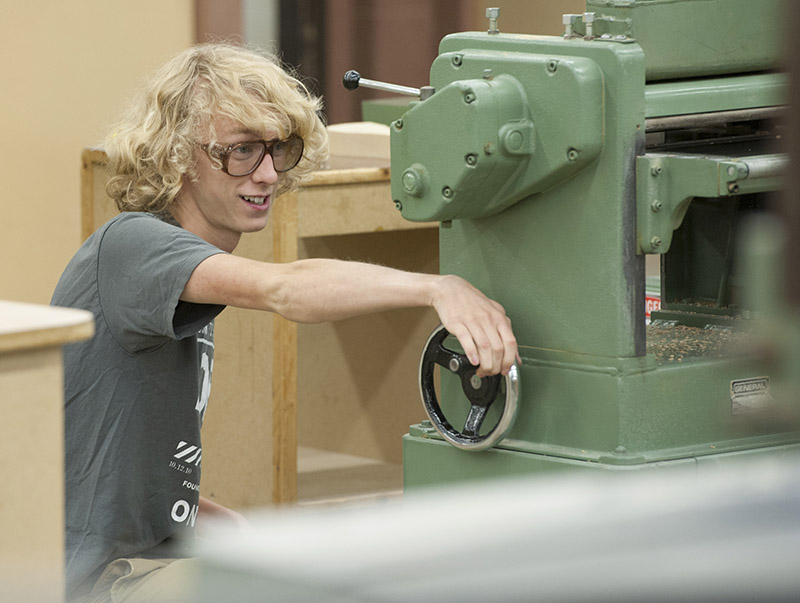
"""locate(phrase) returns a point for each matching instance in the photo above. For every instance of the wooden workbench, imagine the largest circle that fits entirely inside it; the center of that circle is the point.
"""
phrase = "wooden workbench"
(349, 387)
(32, 447)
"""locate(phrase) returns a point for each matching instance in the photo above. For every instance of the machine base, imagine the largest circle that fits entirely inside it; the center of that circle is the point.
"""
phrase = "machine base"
(430, 461)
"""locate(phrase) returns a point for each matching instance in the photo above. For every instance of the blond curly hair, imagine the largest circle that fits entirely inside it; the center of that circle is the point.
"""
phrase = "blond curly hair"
(154, 146)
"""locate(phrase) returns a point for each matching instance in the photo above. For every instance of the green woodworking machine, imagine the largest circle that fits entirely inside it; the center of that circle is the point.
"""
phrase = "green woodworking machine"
(555, 165)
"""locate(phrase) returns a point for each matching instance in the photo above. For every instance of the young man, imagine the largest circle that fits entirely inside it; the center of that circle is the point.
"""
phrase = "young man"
(213, 139)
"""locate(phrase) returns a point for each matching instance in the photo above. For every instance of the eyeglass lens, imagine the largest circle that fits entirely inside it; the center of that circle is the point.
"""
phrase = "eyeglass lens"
(245, 157)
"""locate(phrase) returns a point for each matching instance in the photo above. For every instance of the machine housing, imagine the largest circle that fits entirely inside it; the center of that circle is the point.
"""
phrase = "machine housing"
(555, 165)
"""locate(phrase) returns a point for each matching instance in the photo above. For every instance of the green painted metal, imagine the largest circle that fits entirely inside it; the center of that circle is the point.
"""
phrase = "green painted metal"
(424, 459)
(728, 93)
(384, 110)
(690, 38)
(667, 183)
(554, 237)
(585, 220)
(495, 139)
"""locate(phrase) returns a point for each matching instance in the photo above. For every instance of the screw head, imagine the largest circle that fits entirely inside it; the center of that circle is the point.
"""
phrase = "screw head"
(655, 241)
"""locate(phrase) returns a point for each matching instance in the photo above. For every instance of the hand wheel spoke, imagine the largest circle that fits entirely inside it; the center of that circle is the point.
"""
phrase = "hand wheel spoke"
(475, 418)
(443, 357)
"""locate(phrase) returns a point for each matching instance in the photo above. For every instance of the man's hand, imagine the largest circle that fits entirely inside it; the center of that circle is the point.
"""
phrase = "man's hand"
(479, 323)
(220, 517)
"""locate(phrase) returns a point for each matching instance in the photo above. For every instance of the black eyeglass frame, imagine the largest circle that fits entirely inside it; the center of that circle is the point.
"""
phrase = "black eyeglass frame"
(223, 154)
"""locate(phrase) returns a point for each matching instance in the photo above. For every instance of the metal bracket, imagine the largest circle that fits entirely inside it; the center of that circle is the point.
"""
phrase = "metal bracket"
(666, 184)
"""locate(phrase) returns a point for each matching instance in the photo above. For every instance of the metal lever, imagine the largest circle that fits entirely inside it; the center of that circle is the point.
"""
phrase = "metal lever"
(352, 80)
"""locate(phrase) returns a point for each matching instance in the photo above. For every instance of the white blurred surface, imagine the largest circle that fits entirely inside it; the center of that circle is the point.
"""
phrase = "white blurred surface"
(729, 534)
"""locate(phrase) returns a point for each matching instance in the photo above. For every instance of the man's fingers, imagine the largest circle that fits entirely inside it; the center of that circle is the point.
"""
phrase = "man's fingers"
(491, 351)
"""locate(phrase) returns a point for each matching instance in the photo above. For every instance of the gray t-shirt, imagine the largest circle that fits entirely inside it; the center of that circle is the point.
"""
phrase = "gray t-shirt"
(135, 393)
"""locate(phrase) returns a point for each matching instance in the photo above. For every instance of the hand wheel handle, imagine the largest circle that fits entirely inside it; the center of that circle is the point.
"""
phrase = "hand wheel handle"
(481, 393)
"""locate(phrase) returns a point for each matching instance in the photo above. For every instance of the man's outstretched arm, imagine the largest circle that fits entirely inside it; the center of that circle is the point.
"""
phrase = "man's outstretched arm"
(319, 290)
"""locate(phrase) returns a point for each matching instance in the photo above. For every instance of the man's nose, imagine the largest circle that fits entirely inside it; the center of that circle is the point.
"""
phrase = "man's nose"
(265, 172)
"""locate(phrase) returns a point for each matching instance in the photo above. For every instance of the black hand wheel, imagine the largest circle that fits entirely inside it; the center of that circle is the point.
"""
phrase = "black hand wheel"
(481, 393)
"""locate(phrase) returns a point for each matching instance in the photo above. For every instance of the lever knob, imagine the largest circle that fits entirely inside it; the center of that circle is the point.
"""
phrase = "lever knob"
(351, 79)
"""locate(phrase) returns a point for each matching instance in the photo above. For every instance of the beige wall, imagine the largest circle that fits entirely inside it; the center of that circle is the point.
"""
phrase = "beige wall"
(66, 68)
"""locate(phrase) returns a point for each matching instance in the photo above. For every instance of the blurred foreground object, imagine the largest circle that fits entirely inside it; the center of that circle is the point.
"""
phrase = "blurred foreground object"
(724, 535)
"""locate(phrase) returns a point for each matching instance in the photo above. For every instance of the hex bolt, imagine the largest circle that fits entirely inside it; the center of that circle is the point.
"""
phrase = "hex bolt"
(572, 154)
(655, 242)
(569, 22)
(655, 170)
(471, 159)
(492, 14)
(656, 206)
(488, 74)
(457, 60)
(447, 192)
(469, 97)
(621, 37)
(552, 65)
(588, 19)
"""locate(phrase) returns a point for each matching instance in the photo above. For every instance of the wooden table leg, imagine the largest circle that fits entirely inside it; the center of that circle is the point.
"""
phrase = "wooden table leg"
(284, 358)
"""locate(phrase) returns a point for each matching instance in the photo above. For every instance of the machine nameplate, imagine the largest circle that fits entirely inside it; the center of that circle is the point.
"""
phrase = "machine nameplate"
(750, 395)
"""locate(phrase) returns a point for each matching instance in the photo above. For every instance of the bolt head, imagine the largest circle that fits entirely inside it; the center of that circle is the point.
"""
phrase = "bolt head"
(492, 13)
